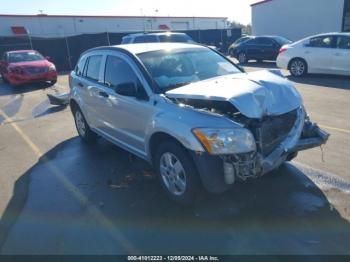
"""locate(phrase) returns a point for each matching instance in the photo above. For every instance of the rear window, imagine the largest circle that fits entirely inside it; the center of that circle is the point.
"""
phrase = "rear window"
(321, 41)
(79, 69)
(175, 38)
(282, 40)
(93, 67)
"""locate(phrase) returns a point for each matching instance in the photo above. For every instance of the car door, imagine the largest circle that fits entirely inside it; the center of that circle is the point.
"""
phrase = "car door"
(269, 49)
(126, 116)
(341, 56)
(253, 48)
(86, 83)
(318, 53)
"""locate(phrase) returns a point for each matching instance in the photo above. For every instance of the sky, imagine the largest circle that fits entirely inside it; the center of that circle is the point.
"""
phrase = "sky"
(237, 10)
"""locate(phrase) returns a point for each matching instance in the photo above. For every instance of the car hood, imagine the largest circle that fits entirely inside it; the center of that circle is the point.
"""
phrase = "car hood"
(255, 95)
(39, 63)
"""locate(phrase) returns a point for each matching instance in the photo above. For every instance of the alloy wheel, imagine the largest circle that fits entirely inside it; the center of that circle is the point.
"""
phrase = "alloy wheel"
(173, 174)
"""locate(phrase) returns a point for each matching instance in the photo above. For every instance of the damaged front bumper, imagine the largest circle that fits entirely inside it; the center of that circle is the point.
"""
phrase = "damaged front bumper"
(218, 173)
(59, 100)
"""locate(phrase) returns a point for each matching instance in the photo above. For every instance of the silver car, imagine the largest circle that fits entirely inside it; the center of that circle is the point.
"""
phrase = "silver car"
(200, 120)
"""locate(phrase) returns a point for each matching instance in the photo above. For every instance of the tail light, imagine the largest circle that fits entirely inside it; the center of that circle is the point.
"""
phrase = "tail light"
(282, 50)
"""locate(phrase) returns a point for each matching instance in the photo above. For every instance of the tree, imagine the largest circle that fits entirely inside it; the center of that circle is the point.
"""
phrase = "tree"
(246, 29)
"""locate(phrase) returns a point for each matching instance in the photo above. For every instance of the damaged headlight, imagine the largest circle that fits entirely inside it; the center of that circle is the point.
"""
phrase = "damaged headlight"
(225, 141)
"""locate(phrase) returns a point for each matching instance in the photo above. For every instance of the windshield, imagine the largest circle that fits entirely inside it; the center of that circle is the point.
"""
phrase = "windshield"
(171, 69)
(178, 38)
(242, 39)
(24, 57)
(282, 40)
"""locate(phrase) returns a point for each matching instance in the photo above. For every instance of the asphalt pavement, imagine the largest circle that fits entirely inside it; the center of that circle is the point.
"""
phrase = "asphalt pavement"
(60, 196)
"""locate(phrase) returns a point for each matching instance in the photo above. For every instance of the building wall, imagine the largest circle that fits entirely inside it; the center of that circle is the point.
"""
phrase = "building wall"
(296, 19)
(52, 26)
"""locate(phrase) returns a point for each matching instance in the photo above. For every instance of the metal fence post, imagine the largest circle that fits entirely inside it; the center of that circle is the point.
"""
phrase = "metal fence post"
(108, 41)
(68, 53)
(30, 39)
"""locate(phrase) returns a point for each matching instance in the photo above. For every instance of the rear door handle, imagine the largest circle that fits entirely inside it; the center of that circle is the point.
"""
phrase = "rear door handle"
(103, 94)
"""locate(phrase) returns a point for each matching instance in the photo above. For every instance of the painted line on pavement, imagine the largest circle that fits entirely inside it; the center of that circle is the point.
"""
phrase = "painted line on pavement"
(82, 199)
(336, 129)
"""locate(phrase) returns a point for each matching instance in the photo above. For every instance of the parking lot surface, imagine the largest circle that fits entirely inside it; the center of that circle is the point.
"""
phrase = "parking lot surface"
(60, 196)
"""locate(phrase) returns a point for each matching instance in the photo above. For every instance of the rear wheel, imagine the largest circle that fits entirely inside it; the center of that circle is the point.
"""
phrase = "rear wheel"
(84, 131)
(298, 67)
(177, 173)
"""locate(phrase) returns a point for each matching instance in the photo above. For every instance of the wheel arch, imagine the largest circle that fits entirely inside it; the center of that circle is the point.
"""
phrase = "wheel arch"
(156, 139)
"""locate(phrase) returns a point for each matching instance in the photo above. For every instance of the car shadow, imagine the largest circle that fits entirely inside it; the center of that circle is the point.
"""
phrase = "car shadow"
(265, 64)
(7, 89)
(98, 199)
(332, 81)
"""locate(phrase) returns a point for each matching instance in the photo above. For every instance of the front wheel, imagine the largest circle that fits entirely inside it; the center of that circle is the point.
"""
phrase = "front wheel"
(177, 173)
(298, 68)
(84, 131)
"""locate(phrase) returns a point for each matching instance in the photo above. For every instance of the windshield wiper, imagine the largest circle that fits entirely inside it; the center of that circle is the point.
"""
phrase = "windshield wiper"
(176, 85)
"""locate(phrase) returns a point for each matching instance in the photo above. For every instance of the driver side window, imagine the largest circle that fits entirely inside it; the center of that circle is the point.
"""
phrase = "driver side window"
(118, 72)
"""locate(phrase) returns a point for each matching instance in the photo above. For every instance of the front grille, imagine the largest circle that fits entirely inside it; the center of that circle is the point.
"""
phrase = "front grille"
(37, 70)
(273, 130)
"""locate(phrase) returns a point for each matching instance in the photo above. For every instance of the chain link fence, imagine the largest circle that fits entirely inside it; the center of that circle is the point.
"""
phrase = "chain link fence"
(65, 51)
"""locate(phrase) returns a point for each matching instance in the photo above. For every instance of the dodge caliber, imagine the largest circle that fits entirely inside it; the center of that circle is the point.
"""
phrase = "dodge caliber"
(201, 121)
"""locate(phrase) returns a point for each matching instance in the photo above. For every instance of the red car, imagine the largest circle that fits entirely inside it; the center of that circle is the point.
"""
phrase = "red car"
(27, 66)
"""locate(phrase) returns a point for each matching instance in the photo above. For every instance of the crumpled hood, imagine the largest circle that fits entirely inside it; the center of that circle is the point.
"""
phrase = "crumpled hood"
(254, 94)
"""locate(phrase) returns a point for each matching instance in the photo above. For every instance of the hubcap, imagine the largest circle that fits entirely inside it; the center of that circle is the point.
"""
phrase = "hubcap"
(297, 68)
(80, 123)
(173, 174)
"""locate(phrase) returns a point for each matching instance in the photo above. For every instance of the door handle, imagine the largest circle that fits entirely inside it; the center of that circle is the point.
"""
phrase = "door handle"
(80, 84)
(103, 94)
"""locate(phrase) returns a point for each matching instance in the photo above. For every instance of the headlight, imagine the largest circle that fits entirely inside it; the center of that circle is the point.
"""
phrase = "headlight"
(225, 141)
(52, 68)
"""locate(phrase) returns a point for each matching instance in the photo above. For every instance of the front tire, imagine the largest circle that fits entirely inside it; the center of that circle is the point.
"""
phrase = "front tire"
(298, 67)
(177, 173)
(84, 131)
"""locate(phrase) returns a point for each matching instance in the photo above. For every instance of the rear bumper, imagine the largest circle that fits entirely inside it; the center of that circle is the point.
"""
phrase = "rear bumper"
(282, 62)
(212, 171)
(19, 79)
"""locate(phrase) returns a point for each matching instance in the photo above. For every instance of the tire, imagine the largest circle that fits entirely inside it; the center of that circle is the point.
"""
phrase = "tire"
(298, 67)
(83, 129)
(177, 173)
(242, 58)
